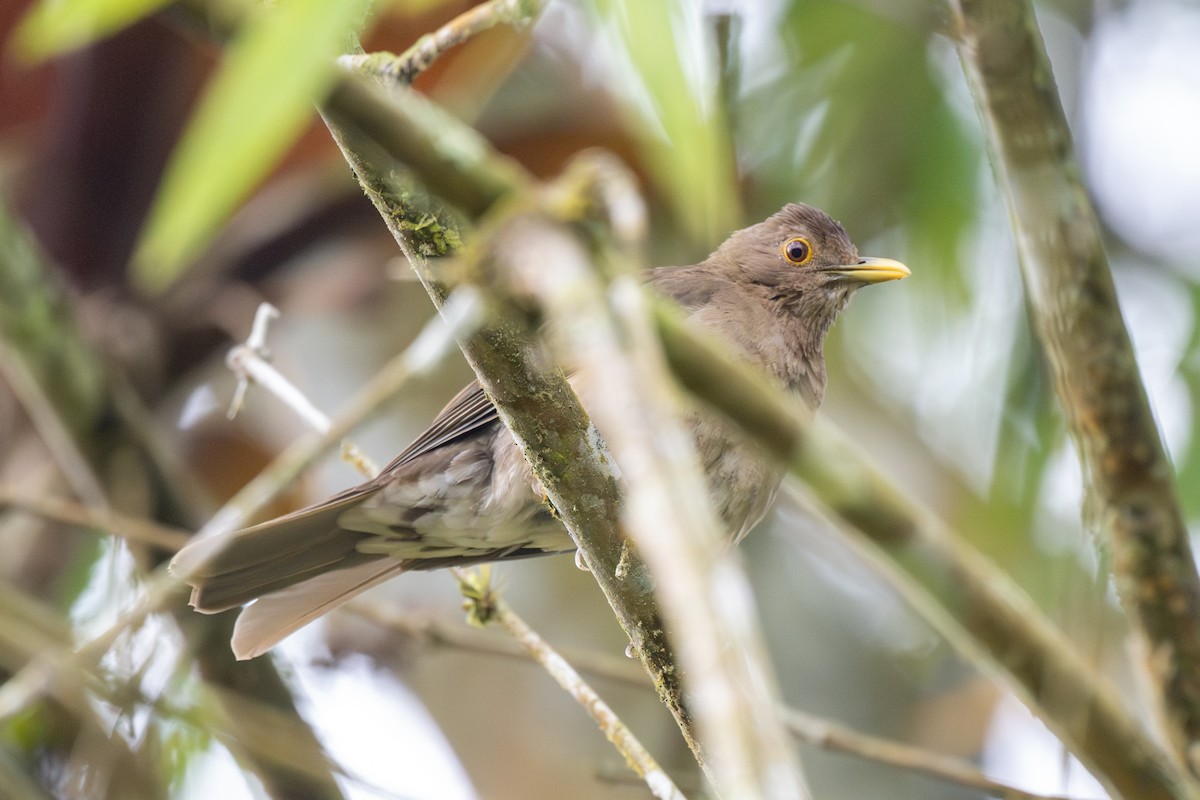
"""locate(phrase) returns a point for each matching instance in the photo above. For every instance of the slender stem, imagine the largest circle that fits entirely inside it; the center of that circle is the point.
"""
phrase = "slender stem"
(62, 510)
(492, 608)
(404, 68)
(436, 340)
(441, 633)
(48, 422)
(839, 738)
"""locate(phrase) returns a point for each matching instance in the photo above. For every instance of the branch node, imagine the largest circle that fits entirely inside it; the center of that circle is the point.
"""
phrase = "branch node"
(256, 343)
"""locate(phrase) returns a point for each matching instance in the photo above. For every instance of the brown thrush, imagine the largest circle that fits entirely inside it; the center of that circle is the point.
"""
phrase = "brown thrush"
(463, 493)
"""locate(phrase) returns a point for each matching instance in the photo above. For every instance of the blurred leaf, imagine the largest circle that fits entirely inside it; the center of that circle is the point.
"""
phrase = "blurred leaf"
(416, 9)
(37, 326)
(1188, 469)
(847, 108)
(1032, 426)
(257, 105)
(53, 26)
(184, 745)
(671, 89)
(16, 778)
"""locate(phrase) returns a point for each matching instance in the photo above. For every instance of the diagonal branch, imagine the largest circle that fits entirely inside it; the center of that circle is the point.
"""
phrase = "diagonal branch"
(636, 755)
(604, 331)
(537, 405)
(1129, 481)
(838, 738)
(100, 518)
(953, 586)
(404, 68)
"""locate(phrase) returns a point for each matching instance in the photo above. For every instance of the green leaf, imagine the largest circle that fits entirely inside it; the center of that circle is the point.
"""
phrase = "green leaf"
(672, 93)
(281, 62)
(54, 26)
(855, 113)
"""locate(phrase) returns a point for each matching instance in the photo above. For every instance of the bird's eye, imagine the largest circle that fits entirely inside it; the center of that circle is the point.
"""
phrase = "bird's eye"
(798, 250)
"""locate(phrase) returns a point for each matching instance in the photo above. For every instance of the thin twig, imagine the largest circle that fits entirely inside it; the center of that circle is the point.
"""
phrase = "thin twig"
(839, 738)
(460, 316)
(249, 363)
(440, 633)
(564, 674)
(405, 68)
(256, 341)
(60, 509)
(50, 427)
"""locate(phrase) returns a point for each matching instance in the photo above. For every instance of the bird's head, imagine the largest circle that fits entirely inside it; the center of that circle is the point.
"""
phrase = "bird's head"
(804, 260)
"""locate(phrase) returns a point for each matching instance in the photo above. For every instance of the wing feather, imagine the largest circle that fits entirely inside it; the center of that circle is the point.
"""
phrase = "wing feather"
(468, 412)
(234, 568)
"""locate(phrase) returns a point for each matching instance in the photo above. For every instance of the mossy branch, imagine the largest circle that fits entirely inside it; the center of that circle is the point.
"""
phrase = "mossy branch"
(537, 404)
(602, 328)
(1132, 501)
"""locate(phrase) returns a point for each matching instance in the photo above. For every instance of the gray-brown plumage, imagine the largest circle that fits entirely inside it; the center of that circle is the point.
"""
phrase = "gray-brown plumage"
(462, 492)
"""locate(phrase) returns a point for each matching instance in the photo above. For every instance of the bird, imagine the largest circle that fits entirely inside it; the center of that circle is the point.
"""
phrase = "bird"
(462, 492)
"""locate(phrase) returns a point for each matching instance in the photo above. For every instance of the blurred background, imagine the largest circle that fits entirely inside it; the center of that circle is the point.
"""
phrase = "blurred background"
(726, 110)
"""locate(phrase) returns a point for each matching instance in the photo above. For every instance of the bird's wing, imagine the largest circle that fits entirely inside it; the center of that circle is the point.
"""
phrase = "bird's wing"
(470, 411)
(467, 413)
(690, 287)
(232, 569)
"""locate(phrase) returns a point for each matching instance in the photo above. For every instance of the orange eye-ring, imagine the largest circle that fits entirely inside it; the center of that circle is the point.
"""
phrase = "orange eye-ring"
(797, 250)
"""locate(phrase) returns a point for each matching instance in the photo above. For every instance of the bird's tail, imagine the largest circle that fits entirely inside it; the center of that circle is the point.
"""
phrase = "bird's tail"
(228, 570)
(268, 620)
(295, 568)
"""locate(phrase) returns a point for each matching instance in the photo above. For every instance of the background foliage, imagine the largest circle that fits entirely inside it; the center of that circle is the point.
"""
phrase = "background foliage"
(121, 155)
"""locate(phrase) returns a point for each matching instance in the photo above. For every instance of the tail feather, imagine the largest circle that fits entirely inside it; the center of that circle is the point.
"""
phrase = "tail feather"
(238, 587)
(268, 620)
(229, 570)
